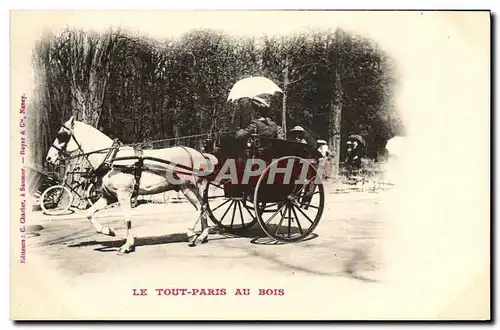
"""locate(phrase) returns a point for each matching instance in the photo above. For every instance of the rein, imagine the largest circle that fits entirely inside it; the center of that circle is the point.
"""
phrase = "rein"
(67, 156)
(186, 170)
(92, 152)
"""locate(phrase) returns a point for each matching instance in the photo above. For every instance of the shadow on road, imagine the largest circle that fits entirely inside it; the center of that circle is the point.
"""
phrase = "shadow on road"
(259, 237)
(62, 214)
(265, 240)
(114, 245)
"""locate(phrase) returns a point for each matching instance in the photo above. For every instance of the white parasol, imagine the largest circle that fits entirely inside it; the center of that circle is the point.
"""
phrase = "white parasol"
(252, 87)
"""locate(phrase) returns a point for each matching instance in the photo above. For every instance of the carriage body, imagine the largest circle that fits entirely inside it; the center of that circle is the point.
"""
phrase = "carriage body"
(266, 150)
(281, 187)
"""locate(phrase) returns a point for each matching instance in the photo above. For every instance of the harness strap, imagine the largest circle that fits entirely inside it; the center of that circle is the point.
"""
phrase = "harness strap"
(78, 144)
(194, 171)
(112, 151)
(190, 156)
(65, 154)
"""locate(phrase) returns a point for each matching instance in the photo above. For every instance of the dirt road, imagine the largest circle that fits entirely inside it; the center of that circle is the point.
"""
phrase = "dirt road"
(346, 236)
(345, 248)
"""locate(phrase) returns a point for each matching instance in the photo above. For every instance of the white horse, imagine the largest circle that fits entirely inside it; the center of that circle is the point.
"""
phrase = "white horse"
(120, 182)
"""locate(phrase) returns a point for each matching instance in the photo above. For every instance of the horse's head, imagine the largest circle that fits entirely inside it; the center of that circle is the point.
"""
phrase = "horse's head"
(64, 144)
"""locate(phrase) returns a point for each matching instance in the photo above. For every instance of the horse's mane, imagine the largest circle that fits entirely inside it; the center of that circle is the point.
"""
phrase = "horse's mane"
(94, 133)
(90, 140)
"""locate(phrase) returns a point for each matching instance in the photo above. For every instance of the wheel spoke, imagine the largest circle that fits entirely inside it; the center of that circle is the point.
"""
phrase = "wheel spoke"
(297, 218)
(305, 182)
(302, 186)
(278, 211)
(241, 213)
(229, 200)
(289, 220)
(59, 196)
(234, 212)
(307, 217)
(232, 202)
(281, 221)
(311, 194)
(314, 207)
(248, 210)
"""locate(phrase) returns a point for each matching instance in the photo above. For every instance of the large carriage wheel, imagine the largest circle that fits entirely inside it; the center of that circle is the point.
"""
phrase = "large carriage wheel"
(294, 215)
(233, 214)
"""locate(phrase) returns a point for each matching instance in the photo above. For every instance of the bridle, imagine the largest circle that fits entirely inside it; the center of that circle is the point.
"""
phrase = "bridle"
(64, 155)
(62, 150)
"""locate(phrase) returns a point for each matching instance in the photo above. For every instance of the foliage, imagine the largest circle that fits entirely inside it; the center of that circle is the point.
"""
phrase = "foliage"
(137, 89)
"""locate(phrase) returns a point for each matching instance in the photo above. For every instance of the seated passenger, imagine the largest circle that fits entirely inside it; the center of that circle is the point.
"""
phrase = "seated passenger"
(299, 134)
(263, 125)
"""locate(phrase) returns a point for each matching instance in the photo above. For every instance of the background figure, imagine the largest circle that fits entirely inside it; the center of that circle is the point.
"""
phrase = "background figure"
(354, 155)
(299, 134)
(263, 125)
(323, 148)
(325, 160)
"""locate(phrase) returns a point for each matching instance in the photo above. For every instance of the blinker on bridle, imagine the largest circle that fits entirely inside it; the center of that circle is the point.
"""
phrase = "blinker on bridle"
(63, 138)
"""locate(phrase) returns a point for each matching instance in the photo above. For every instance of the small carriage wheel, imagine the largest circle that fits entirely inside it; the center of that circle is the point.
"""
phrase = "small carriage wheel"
(92, 194)
(56, 200)
(299, 213)
(232, 214)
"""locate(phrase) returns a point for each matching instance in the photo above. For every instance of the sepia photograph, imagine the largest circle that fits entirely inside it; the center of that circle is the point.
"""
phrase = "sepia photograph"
(250, 165)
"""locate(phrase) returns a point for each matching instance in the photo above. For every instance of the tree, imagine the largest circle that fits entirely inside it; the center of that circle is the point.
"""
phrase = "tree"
(335, 117)
(136, 89)
(90, 57)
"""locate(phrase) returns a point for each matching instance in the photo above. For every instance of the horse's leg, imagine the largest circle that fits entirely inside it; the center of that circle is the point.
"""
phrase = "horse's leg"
(124, 198)
(192, 193)
(203, 218)
(99, 205)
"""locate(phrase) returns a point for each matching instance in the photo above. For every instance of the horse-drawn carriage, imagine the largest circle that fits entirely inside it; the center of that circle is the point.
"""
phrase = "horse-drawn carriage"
(273, 182)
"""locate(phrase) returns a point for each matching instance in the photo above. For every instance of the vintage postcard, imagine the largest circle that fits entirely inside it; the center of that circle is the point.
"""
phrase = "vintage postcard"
(250, 165)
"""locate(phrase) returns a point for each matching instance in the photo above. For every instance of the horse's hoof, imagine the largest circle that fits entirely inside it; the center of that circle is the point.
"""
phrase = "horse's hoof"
(193, 240)
(216, 230)
(205, 240)
(107, 231)
(126, 250)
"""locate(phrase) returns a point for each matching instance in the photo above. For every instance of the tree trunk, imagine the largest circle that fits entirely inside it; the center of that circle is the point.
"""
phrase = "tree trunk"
(91, 59)
(285, 85)
(214, 119)
(335, 117)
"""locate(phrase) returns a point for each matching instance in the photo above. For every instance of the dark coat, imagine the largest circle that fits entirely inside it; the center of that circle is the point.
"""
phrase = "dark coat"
(263, 126)
(305, 136)
(354, 156)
